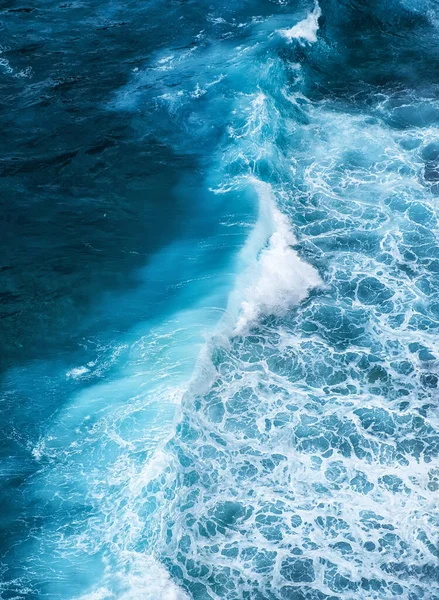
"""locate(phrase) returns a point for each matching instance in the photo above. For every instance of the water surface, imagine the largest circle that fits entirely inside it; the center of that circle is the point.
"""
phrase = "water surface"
(220, 314)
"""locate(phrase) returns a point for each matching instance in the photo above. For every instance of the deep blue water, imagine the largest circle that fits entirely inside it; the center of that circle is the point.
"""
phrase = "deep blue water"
(219, 300)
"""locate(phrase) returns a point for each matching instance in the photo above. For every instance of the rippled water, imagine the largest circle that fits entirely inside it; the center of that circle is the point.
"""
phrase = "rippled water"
(220, 300)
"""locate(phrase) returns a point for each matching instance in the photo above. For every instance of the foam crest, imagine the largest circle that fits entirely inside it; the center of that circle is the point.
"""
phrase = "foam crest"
(305, 30)
(280, 278)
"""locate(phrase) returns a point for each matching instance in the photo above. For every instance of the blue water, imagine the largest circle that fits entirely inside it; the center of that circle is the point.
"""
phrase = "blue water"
(219, 300)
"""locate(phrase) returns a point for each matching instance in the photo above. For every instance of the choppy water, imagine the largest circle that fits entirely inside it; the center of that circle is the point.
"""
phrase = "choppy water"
(220, 300)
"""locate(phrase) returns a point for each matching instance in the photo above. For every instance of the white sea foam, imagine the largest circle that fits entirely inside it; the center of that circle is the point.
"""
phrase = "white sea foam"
(146, 578)
(77, 372)
(279, 278)
(6, 67)
(149, 580)
(305, 30)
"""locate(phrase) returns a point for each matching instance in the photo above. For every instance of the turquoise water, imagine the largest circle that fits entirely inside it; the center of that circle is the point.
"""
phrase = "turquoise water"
(220, 301)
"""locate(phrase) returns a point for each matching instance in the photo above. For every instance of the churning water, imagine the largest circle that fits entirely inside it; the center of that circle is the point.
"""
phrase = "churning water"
(220, 300)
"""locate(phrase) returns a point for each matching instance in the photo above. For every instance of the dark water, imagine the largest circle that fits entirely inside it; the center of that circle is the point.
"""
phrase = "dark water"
(219, 300)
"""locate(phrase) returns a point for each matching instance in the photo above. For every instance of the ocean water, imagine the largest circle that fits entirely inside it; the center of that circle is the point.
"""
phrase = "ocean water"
(219, 300)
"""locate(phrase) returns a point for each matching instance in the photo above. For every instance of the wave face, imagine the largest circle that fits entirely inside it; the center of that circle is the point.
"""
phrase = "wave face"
(270, 430)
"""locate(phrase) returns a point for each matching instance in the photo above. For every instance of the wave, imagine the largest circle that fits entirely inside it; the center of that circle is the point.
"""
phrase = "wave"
(262, 441)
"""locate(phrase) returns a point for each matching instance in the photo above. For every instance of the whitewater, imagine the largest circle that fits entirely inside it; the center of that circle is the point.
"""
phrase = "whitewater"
(272, 432)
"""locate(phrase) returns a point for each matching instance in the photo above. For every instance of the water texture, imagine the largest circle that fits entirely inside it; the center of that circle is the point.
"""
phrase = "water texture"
(220, 300)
